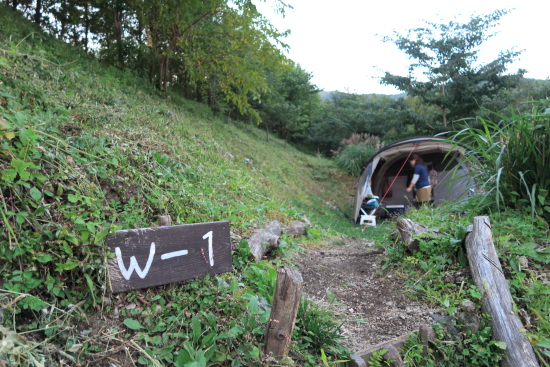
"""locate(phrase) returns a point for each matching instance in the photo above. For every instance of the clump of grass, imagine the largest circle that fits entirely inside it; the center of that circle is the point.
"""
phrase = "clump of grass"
(511, 156)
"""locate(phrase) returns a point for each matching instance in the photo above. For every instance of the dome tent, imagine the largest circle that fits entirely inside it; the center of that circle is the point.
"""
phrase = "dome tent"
(439, 154)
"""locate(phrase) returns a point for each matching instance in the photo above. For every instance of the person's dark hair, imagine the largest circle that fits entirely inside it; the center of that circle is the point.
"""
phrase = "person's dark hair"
(418, 159)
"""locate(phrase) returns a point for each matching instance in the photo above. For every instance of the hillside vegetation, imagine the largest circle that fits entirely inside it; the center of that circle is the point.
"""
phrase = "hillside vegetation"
(87, 149)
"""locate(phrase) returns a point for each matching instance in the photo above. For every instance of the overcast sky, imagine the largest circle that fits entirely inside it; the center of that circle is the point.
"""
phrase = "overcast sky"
(340, 42)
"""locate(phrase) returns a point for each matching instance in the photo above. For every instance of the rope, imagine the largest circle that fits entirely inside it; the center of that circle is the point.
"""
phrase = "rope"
(389, 188)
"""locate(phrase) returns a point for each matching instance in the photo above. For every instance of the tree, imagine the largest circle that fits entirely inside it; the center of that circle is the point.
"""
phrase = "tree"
(290, 101)
(447, 56)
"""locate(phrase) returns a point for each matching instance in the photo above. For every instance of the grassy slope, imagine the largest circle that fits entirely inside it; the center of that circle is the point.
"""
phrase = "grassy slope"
(87, 149)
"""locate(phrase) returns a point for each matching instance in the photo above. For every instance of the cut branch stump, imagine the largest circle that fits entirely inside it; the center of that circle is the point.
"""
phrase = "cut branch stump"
(407, 228)
(265, 240)
(286, 300)
(164, 220)
(496, 298)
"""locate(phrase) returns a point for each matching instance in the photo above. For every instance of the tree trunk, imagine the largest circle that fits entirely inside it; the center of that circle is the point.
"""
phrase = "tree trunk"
(496, 298)
(86, 24)
(444, 108)
(286, 300)
(118, 35)
(38, 12)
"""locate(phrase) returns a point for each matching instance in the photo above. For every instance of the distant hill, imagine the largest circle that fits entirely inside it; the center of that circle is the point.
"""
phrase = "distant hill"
(328, 95)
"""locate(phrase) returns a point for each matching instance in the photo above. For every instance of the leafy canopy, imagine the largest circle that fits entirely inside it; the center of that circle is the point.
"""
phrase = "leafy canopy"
(447, 56)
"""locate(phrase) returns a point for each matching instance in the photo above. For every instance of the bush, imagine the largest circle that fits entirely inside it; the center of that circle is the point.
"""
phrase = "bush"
(353, 157)
(511, 157)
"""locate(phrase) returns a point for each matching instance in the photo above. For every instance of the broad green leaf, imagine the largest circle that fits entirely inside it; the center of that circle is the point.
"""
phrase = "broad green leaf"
(501, 345)
(9, 175)
(543, 343)
(73, 198)
(196, 326)
(44, 258)
(132, 324)
(35, 194)
(69, 265)
(234, 332)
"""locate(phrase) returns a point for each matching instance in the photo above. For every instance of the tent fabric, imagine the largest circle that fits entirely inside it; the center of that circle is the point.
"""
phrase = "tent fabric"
(434, 150)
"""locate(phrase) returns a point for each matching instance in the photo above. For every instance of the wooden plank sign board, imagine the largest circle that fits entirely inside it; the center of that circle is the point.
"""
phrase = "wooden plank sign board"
(147, 257)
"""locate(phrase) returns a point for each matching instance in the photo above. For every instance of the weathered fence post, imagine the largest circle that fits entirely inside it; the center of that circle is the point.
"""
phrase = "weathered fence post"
(286, 300)
(496, 298)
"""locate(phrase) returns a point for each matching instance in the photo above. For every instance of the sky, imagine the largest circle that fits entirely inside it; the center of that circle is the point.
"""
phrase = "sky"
(340, 42)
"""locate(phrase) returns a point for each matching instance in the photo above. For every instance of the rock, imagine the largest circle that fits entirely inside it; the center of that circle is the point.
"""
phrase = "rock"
(467, 306)
(449, 278)
(523, 262)
(447, 323)
(468, 321)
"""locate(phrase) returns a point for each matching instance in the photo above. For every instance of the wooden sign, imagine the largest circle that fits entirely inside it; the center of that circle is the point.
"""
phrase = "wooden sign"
(159, 255)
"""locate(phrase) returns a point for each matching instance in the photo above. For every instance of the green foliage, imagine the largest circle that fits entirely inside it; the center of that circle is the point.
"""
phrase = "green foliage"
(211, 51)
(354, 157)
(86, 150)
(510, 158)
(345, 114)
(447, 55)
(436, 271)
(377, 358)
(289, 104)
(317, 330)
(470, 349)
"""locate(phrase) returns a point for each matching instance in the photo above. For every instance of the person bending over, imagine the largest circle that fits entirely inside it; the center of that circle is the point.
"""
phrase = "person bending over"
(421, 179)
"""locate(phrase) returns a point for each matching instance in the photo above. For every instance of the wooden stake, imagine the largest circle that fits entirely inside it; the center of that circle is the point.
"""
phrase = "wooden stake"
(286, 300)
(165, 220)
(496, 298)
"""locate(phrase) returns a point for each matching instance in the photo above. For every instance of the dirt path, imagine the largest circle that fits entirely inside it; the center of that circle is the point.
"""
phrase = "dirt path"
(371, 301)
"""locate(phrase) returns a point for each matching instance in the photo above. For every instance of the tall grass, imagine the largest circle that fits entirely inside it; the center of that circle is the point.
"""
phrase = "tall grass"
(511, 158)
(356, 151)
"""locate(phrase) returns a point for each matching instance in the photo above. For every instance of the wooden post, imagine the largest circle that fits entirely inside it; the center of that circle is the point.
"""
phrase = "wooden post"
(164, 220)
(286, 300)
(496, 298)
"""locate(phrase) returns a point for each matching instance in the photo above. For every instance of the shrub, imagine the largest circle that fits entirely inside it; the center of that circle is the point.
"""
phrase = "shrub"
(511, 157)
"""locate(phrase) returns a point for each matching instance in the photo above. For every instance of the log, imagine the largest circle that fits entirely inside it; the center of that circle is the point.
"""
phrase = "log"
(392, 356)
(406, 228)
(362, 358)
(265, 239)
(296, 228)
(288, 292)
(496, 298)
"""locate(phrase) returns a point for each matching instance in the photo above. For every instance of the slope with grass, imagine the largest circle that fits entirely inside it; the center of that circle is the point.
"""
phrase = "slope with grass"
(85, 150)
